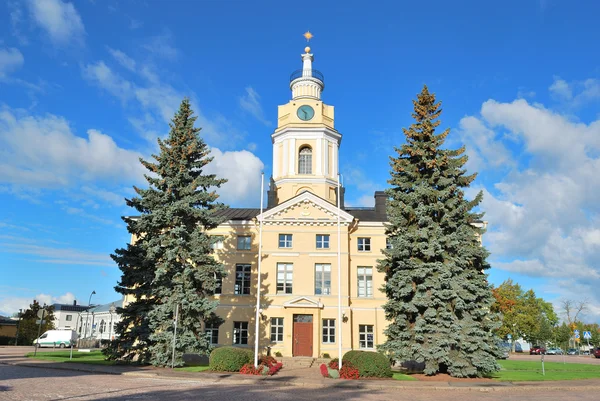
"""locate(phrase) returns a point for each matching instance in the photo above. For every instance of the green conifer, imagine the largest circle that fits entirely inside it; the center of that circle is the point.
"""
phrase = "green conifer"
(171, 264)
(439, 299)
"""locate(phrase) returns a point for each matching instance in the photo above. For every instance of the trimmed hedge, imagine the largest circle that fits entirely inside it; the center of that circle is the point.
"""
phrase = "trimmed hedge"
(229, 359)
(369, 364)
(6, 340)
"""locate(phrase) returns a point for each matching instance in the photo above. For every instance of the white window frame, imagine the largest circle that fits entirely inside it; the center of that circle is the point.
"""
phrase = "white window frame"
(363, 336)
(328, 332)
(305, 160)
(211, 331)
(321, 272)
(364, 244)
(285, 240)
(246, 242)
(388, 244)
(69, 318)
(243, 287)
(219, 287)
(285, 278)
(240, 333)
(365, 282)
(217, 245)
(323, 242)
(277, 329)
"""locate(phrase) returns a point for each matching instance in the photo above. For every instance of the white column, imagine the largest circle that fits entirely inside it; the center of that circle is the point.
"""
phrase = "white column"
(292, 156)
(319, 156)
(334, 166)
(307, 64)
(326, 162)
(284, 162)
(275, 160)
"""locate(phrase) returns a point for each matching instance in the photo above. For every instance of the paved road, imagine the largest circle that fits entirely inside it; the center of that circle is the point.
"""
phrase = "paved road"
(19, 383)
(24, 383)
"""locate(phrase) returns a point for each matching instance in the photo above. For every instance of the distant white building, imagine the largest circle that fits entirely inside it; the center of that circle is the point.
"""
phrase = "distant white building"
(99, 321)
(68, 316)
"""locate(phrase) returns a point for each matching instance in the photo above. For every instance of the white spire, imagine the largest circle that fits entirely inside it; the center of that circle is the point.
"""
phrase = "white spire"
(307, 83)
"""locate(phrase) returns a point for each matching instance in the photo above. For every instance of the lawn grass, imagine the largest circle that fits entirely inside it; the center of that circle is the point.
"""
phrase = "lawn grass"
(197, 368)
(402, 376)
(532, 371)
(92, 358)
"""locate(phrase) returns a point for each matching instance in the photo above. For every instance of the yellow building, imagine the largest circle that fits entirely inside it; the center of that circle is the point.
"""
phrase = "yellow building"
(299, 294)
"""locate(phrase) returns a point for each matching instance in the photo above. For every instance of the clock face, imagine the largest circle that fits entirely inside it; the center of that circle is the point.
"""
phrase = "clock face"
(305, 112)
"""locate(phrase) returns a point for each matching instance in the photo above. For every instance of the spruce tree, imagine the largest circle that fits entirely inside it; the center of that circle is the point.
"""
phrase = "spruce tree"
(439, 300)
(171, 264)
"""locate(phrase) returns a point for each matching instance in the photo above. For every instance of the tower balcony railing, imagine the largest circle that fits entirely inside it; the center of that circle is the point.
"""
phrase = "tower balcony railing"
(307, 73)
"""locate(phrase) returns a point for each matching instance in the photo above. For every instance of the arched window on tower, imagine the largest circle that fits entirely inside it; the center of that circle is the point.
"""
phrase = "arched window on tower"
(305, 160)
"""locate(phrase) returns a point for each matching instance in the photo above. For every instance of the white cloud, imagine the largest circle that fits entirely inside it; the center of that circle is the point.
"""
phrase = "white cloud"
(161, 46)
(250, 102)
(561, 89)
(122, 59)
(103, 76)
(10, 305)
(484, 149)
(43, 152)
(242, 170)
(11, 59)
(543, 213)
(59, 19)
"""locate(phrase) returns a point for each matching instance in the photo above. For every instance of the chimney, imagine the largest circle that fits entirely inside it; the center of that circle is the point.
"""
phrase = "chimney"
(380, 204)
(74, 302)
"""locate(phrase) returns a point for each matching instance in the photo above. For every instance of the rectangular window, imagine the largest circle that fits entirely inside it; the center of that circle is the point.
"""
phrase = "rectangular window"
(322, 241)
(285, 240)
(240, 333)
(277, 329)
(244, 242)
(212, 333)
(328, 331)
(242, 280)
(388, 244)
(217, 243)
(322, 279)
(364, 244)
(69, 318)
(365, 282)
(219, 287)
(285, 275)
(365, 336)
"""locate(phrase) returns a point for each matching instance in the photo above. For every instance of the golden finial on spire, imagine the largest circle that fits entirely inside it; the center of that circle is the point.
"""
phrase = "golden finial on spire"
(308, 37)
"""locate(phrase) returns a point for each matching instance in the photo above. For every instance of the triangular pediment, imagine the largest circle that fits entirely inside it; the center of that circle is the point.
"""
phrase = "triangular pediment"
(303, 302)
(306, 208)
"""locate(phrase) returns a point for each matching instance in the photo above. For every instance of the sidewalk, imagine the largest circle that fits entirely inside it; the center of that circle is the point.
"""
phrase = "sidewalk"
(303, 377)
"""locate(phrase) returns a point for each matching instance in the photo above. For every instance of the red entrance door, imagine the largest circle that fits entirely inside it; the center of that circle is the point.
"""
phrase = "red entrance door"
(303, 335)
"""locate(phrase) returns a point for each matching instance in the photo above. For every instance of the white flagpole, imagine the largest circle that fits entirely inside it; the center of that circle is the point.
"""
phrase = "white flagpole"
(174, 335)
(258, 280)
(339, 269)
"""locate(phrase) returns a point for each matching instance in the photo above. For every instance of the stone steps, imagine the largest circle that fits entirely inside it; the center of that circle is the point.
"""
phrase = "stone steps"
(297, 361)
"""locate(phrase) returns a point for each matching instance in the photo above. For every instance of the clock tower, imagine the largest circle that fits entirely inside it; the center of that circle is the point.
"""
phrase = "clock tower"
(305, 142)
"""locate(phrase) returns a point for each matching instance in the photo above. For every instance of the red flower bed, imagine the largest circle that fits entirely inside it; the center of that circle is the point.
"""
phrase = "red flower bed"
(324, 371)
(334, 365)
(264, 362)
(348, 372)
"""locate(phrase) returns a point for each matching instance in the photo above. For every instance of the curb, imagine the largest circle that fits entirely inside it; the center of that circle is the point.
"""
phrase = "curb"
(352, 384)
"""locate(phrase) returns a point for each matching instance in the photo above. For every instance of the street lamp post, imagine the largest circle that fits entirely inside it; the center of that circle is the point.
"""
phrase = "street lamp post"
(18, 324)
(111, 310)
(88, 313)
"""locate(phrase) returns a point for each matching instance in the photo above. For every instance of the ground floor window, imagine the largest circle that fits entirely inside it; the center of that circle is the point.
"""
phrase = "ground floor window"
(240, 333)
(328, 331)
(277, 329)
(365, 336)
(212, 333)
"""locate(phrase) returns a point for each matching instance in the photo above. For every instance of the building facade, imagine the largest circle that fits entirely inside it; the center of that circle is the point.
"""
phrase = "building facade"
(316, 254)
(68, 316)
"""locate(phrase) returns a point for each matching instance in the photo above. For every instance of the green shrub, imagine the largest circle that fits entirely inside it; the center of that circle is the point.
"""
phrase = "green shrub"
(229, 359)
(369, 364)
(6, 340)
(326, 355)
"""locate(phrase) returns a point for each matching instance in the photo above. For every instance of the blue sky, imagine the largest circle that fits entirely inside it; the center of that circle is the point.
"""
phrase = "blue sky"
(86, 87)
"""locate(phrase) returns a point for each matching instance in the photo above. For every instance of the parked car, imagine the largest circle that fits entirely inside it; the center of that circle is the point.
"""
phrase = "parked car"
(554, 351)
(571, 351)
(504, 349)
(597, 352)
(56, 338)
(537, 350)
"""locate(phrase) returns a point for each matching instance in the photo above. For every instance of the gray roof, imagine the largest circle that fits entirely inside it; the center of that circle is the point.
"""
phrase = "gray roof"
(106, 307)
(7, 321)
(366, 214)
(70, 308)
(239, 213)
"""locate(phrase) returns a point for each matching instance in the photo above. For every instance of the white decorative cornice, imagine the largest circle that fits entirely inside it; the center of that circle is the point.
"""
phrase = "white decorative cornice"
(303, 302)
